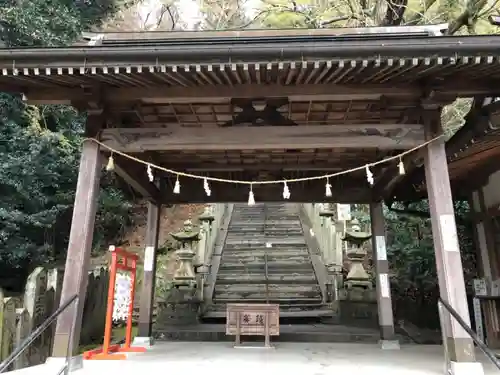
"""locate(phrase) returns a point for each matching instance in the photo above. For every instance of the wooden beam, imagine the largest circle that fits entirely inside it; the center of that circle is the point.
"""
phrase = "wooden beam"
(136, 179)
(219, 93)
(390, 136)
(213, 94)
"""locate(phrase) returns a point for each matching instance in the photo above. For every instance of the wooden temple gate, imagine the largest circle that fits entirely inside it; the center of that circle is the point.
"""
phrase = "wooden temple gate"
(259, 106)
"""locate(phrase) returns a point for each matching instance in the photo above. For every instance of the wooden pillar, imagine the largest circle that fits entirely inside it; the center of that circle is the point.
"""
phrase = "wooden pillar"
(448, 262)
(79, 248)
(488, 241)
(146, 299)
(384, 300)
(487, 262)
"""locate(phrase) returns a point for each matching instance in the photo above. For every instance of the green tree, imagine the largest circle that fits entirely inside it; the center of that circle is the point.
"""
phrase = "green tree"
(40, 148)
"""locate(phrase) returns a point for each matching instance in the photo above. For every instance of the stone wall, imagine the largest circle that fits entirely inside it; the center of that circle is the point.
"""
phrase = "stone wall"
(21, 315)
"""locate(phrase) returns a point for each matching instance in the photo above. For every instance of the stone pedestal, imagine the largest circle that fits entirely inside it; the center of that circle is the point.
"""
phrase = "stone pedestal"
(358, 306)
(180, 309)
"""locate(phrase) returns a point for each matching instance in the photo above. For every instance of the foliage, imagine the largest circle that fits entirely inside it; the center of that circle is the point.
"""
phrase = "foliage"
(412, 262)
(324, 13)
(39, 149)
(52, 22)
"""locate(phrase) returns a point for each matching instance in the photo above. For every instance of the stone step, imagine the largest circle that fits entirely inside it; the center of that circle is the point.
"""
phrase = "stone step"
(271, 258)
(299, 306)
(218, 310)
(272, 267)
(263, 240)
(297, 232)
(290, 280)
(266, 220)
(270, 252)
(261, 290)
(278, 298)
(279, 223)
(260, 278)
(263, 236)
(240, 247)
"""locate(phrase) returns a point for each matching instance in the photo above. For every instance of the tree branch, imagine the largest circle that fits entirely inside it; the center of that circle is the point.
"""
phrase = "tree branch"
(418, 16)
(468, 17)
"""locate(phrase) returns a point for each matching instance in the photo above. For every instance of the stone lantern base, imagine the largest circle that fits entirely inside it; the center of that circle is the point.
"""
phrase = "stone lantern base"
(358, 306)
(180, 309)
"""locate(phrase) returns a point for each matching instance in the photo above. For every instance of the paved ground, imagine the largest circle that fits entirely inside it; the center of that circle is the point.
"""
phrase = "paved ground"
(188, 358)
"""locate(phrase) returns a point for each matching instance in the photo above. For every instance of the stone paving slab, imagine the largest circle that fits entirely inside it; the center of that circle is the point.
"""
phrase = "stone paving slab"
(287, 358)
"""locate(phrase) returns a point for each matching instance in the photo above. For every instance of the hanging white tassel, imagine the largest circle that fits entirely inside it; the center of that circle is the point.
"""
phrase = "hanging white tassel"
(286, 191)
(206, 187)
(328, 188)
(401, 167)
(177, 186)
(111, 163)
(369, 175)
(150, 173)
(251, 198)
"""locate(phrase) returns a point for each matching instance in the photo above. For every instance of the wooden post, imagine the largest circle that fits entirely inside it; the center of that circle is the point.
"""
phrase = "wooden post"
(448, 262)
(487, 262)
(146, 302)
(384, 300)
(80, 244)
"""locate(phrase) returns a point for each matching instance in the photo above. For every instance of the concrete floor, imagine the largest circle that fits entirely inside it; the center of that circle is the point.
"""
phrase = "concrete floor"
(219, 358)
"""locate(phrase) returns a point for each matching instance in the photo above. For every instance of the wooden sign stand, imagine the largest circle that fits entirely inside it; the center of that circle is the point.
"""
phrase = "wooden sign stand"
(252, 320)
(124, 261)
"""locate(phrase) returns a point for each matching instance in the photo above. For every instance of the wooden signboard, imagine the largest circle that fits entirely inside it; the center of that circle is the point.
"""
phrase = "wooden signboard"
(252, 319)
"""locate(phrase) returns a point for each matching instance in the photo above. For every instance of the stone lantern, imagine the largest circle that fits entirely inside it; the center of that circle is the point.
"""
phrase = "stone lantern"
(184, 274)
(355, 238)
(182, 303)
(202, 264)
(357, 298)
(325, 213)
(207, 217)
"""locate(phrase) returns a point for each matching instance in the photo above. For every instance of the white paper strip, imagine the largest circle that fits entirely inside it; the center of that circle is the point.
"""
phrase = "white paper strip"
(449, 233)
(384, 285)
(381, 249)
(149, 258)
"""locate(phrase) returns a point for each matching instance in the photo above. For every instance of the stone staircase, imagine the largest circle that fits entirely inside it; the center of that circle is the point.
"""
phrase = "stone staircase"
(265, 259)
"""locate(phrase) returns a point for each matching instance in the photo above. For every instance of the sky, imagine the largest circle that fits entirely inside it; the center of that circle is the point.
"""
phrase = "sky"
(188, 9)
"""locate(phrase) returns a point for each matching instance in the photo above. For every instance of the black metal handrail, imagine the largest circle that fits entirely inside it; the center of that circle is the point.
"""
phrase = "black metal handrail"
(37, 332)
(481, 345)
